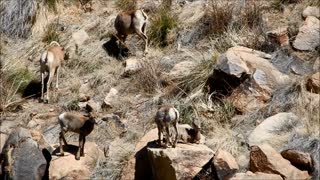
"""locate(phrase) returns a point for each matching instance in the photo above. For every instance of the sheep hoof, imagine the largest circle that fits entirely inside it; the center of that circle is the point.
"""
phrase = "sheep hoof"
(60, 154)
(77, 158)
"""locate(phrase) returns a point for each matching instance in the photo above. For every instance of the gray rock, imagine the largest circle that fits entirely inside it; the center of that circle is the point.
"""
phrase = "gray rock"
(308, 37)
(311, 11)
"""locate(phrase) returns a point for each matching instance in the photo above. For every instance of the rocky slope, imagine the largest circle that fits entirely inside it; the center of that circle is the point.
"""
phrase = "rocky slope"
(248, 70)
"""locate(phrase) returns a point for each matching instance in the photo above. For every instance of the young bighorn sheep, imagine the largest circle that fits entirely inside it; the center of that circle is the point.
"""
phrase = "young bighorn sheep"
(77, 123)
(50, 62)
(167, 115)
(190, 135)
(129, 22)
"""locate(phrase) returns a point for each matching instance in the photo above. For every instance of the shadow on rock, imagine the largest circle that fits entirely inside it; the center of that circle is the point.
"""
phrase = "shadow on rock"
(72, 149)
(33, 89)
(113, 49)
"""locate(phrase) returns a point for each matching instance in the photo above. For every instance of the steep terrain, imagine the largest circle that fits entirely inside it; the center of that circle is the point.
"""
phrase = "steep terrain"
(247, 70)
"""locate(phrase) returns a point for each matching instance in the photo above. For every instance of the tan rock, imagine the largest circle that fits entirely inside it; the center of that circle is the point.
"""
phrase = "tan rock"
(183, 162)
(300, 160)
(224, 164)
(311, 11)
(181, 69)
(268, 130)
(313, 83)
(132, 65)
(256, 176)
(80, 37)
(67, 167)
(280, 36)
(110, 98)
(264, 158)
(308, 37)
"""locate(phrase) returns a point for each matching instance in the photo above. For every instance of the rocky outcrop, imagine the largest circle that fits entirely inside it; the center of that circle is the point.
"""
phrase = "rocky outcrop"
(131, 66)
(224, 165)
(313, 83)
(256, 176)
(274, 130)
(311, 11)
(24, 157)
(300, 160)
(240, 64)
(68, 167)
(110, 98)
(183, 162)
(279, 36)
(264, 158)
(308, 37)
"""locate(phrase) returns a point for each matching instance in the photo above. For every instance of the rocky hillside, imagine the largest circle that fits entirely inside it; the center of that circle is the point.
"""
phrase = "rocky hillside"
(248, 72)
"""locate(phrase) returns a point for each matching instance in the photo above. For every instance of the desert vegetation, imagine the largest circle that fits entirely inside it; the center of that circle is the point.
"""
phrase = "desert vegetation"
(234, 66)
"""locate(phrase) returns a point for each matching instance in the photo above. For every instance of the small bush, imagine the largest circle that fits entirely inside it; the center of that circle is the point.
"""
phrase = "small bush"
(20, 79)
(218, 16)
(148, 78)
(51, 4)
(279, 4)
(51, 34)
(125, 4)
(162, 22)
(252, 16)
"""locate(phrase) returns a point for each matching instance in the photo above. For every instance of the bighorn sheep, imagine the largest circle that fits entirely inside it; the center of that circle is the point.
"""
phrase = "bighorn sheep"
(167, 115)
(50, 62)
(77, 123)
(190, 135)
(129, 22)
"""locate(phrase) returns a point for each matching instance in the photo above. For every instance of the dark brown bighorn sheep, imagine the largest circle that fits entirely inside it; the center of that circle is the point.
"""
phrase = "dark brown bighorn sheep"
(167, 115)
(77, 123)
(50, 62)
(130, 22)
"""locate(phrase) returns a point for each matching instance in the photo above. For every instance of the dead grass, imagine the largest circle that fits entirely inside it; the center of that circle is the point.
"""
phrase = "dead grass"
(162, 23)
(125, 4)
(51, 34)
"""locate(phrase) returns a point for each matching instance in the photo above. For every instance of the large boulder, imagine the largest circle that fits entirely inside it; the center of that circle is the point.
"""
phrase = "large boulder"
(274, 130)
(239, 64)
(264, 158)
(24, 157)
(183, 162)
(313, 83)
(308, 37)
(110, 98)
(256, 176)
(131, 66)
(224, 164)
(311, 11)
(68, 167)
(300, 160)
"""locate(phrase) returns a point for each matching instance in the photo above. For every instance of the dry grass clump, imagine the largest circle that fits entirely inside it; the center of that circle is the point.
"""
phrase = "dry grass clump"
(162, 23)
(51, 4)
(198, 76)
(279, 4)
(148, 79)
(17, 17)
(51, 34)
(218, 16)
(126, 4)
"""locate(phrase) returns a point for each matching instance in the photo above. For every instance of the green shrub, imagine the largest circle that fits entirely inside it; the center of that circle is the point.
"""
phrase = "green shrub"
(125, 4)
(162, 22)
(20, 79)
(51, 34)
(51, 4)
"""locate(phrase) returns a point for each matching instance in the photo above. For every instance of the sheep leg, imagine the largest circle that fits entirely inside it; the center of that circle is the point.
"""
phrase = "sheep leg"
(61, 139)
(144, 37)
(168, 139)
(80, 146)
(177, 134)
(49, 83)
(42, 85)
(57, 80)
(159, 134)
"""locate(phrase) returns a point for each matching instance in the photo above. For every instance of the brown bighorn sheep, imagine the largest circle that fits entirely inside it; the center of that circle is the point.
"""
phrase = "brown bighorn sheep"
(167, 115)
(77, 123)
(50, 62)
(190, 135)
(129, 22)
